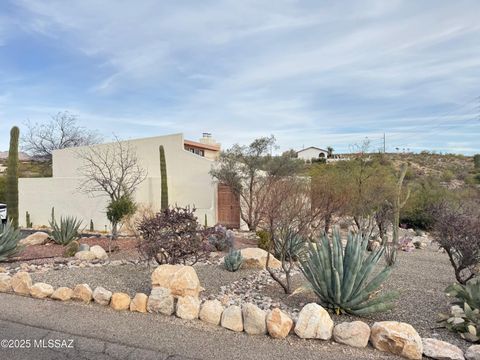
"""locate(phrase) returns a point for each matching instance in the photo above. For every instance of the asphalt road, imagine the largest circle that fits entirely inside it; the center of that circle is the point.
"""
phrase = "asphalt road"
(50, 330)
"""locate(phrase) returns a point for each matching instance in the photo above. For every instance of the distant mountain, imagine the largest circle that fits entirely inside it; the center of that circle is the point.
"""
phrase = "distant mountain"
(21, 155)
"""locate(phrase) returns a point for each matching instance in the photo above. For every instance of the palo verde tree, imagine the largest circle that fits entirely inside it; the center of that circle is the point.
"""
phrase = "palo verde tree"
(163, 175)
(12, 177)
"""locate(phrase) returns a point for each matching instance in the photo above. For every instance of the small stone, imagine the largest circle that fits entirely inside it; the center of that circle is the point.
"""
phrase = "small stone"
(473, 353)
(355, 333)
(254, 320)
(21, 283)
(82, 292)
(62, 294)
(99, 252)
(101, 296)
(314, 322)
(41, 290)
(5, 283)
(139, 303)
(188, 307)
(161, 301)
(120, 301)
(85, 255)
(441, 350)
(279, 324)
(397, 338)
(232, 318)
(211, 312)
(84, 247)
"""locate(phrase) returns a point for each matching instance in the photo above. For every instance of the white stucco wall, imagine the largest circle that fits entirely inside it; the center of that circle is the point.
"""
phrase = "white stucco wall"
(189, 183)
(309, 153)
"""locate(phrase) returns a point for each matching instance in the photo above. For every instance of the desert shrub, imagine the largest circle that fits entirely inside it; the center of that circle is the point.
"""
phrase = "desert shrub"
(289, 245)
(119, 209)
(233, 260)
(341, 277)
(457, 231)
(219, 237)
(67, 231)
(173, 236)
(9, 238)
(464, 316)
(264, 239)
(476, 161)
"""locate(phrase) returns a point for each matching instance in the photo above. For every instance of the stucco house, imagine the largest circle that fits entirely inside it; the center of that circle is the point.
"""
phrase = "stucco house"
(189, 183)
(312, 152)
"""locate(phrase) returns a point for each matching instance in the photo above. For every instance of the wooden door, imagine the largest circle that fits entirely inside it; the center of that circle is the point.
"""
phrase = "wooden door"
(228, 205)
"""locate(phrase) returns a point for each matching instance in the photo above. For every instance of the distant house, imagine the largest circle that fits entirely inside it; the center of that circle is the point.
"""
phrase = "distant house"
(312, 153)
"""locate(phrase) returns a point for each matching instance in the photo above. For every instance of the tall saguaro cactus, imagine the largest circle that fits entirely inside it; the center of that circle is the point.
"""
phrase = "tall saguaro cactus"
(163, 175)
(12, 177)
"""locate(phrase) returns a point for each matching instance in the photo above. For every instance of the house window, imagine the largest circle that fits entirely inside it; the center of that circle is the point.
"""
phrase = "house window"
(196, 151)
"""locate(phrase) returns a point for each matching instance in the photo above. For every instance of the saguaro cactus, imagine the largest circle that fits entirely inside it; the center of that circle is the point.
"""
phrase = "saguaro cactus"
(12, 177)
(163, 175)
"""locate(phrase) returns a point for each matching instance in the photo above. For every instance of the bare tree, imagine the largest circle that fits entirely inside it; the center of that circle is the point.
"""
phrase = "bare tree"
(62, 131)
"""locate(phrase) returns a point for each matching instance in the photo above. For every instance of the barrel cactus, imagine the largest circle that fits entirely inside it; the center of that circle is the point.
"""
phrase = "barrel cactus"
(341, 277)
(9, 238)
(233, 260)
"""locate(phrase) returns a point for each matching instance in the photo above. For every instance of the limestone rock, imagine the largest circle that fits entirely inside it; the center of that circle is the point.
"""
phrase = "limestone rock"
(99, 252)
(37, 238)
(254, 320)
(139, 303)
(211, 312)
(188, 307)
(62, 294)
(82, 292)
(41, 290)
(161, 301)
(5, 283)
(397, 338)
(102, 296)
(85, 255)
(473, 353)
(21, 283)
(355, 333)
(314, 322)
(232, 318)
(180, 279)
(279, 324)
(256, 258)
(441, 350)
(120, 301)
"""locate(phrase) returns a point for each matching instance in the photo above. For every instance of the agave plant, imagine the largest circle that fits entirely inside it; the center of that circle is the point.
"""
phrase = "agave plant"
(233, 260)
(341, 278)
(9, 238)
(464, 315)
(67, 231)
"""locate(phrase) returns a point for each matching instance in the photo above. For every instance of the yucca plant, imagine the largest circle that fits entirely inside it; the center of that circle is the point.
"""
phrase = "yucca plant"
(464, 315)
(9, 238)
(341, 278)
(233, 260)
(66, 231)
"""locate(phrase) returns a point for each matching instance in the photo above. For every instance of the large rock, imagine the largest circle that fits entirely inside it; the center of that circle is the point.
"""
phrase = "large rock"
(82, 292)
(279, 324)
(21, 283)
(101, 296)
(473, 353)
(5, 283)
(397, 338)
(62, 294)
(254, 320)
(256, 258)
(86, 255)
(232, 318)
(161, 301)
(441, 350)
(139, 303)
(38, 238)
(314, 322)
(355, 333)
(188, 307)
(211, 311)
(99, 252)
(41, 290)
(120, 301)
(180, 279)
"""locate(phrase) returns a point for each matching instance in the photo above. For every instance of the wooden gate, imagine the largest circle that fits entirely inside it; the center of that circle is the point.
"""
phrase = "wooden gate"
(228, 205)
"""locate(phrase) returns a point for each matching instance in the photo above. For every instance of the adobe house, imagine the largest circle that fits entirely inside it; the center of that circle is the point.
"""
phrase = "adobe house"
(312, 152)
(189, 183)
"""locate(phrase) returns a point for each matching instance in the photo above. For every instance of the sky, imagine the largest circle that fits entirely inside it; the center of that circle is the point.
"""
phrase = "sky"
(312, 73)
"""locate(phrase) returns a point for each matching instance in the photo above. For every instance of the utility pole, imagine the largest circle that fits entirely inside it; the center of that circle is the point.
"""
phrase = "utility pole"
(384, 143)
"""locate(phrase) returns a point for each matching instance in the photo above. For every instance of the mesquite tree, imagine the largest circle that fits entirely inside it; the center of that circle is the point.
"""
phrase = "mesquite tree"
(12, 177)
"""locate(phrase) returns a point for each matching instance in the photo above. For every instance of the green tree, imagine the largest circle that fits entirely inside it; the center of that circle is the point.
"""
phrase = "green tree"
(117, 211)
(12, 177)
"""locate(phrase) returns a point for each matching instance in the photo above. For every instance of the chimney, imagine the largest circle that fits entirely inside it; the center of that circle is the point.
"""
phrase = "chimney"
(207, 139)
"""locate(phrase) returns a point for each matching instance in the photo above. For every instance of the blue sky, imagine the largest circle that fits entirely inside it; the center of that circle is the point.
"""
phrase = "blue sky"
(313, 73)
